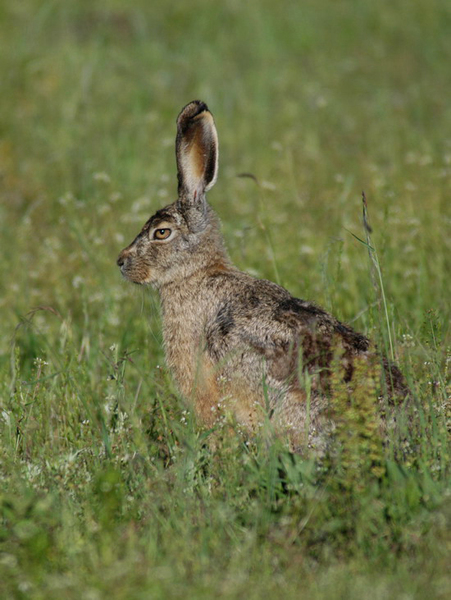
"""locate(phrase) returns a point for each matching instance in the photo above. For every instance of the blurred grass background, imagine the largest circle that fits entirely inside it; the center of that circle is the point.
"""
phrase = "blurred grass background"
(107, 486)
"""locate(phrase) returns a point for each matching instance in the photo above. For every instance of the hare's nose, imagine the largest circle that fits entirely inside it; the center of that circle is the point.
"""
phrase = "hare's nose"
(120, 260)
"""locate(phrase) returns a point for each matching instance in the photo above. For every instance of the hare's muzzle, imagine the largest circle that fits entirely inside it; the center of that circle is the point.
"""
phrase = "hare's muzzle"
(132, 269)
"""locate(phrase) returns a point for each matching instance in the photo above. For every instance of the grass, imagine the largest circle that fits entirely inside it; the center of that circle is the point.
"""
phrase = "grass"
(108, 486)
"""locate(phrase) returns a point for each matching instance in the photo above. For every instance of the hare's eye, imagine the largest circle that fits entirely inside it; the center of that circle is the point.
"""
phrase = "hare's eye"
(161, 234)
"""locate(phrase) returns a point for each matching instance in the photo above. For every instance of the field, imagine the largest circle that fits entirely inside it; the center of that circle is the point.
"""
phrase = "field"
(108, 486)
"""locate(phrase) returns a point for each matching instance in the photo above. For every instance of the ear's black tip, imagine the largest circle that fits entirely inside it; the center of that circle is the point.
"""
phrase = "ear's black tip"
(190, 111)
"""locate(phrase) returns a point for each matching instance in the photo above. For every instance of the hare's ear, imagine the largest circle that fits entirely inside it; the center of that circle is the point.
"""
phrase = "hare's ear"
(196, 149)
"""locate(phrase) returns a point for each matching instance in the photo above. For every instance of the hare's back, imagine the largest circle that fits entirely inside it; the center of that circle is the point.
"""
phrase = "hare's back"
(264, 316)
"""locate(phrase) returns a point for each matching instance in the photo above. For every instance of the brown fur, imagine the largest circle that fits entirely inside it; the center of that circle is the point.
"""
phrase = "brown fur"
(235, 343)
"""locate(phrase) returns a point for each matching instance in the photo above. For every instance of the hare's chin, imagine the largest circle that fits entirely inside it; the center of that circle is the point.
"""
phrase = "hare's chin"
(134, 279)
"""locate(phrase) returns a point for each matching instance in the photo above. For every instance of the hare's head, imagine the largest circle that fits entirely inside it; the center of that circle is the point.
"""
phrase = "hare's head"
(183, 237)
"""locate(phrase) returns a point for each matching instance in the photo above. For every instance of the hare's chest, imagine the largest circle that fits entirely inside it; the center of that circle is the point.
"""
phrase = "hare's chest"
(216, 375)
(193, 371)
(213, 388)
(183, 343)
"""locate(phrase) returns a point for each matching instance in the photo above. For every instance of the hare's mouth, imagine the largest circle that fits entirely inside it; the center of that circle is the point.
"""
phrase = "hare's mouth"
(139, 274)
(129, 268)
(131, 273)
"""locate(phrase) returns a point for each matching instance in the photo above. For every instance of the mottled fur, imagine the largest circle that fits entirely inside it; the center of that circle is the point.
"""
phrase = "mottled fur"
(235, 343)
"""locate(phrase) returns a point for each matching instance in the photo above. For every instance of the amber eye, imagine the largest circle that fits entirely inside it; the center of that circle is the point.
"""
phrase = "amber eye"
(161, 234)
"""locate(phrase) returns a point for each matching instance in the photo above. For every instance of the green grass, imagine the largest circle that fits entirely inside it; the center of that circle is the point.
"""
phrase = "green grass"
(108, 487)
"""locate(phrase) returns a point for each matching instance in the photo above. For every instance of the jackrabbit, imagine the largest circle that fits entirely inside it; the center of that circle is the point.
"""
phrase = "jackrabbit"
(234, 343)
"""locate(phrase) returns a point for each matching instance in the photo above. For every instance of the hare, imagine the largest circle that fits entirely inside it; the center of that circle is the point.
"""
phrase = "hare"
(236, 344)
